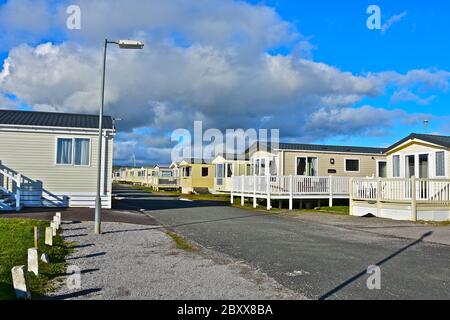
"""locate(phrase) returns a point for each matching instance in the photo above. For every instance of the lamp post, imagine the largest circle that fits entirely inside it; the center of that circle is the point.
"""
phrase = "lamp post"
(123, 44)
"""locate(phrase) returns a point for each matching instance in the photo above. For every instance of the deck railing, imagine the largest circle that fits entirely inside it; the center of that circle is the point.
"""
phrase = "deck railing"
(12, 183)
(286, 185)
(433, 191)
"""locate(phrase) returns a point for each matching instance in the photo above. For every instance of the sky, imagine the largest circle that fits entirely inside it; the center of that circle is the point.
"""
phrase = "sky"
(312, 69)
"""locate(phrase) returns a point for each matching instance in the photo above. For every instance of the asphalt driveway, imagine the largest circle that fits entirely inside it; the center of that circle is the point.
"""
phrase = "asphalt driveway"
(317, 259)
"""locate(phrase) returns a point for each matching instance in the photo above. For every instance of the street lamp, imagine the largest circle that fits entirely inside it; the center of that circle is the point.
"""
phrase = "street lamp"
(122, 44)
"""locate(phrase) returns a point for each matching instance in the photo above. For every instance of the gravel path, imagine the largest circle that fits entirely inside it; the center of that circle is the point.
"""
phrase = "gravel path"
(142, 262)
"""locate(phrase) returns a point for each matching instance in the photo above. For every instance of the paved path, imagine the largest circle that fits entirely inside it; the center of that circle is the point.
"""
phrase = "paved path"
(142, 262)
(316, 258)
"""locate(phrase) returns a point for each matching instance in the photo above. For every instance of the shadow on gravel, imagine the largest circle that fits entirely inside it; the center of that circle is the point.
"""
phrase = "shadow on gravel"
(80, 246)
(82, 272)
(76, 235)
(93, 255)
(75, 294)
(364, 272)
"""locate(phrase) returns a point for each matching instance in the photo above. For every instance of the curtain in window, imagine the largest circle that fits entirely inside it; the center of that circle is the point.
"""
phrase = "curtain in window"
(82, 152)
(396, 166)
(64, 151)
(229, 170)
(313, 170)
(301, 166)
(440, 164)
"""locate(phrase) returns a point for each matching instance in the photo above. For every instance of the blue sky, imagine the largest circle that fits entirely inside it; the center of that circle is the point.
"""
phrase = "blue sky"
(419, 40)
(312, 68)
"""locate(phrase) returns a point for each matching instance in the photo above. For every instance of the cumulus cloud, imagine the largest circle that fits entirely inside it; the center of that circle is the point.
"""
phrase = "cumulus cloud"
(408, 96)
(204, 60)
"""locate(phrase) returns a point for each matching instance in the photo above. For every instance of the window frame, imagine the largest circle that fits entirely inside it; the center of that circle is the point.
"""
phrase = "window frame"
(90, 152)
(378, 168)
(444, 162)
(203, 176)
(73, 150)
(399, 169)
(352, 159)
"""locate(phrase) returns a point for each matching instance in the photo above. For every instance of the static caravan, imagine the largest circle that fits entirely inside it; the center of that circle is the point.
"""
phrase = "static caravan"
(196, 176)
(227, 166)
(50, 160)
(417, 186)
(164, 178)
(288, 171)
(310, 160)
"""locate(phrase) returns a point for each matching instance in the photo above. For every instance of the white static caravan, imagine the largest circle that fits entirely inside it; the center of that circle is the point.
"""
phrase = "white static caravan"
(227, 166)
(50, 160)
(417, 186)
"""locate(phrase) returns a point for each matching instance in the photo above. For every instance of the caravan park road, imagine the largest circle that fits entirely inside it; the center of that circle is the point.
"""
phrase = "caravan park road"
(321, 258)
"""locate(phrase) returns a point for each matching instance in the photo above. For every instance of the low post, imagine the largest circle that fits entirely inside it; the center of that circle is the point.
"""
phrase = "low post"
(233, 186)
(49, 236)
(36, 237)
(53, 226)
(56, 221)
(330, 186)
(291, 193)
(255, 202)
(269, 190)
(20, 283)
(33, 261)
(413, 199)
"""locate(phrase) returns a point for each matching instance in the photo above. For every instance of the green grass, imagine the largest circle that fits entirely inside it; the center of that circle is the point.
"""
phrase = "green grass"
(342, 210)
(180, 242)
(200, 197)
(16, 236)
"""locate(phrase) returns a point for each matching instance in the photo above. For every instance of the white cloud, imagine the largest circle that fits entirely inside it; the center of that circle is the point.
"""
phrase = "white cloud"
(204, 59)
(408, 96)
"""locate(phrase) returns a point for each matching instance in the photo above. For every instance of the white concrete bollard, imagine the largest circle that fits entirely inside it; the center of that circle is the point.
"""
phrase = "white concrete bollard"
(33, 261)
(45, 258)
(58, 214)
(20, 283)
(56, 221)
(49, 236)
(53, 226)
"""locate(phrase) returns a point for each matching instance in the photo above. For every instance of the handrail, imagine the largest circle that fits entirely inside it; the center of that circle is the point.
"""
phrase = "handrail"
(17, 180)
(400, 189)
(18, 191)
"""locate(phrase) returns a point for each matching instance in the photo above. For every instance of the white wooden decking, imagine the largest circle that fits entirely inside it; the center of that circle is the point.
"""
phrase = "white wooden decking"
(401, 199)
(289, 187)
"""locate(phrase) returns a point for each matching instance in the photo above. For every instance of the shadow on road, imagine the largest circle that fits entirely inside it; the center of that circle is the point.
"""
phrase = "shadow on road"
(364, 272)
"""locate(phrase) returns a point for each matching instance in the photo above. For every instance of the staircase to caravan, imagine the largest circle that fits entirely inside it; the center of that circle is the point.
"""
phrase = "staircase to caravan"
(10, 190)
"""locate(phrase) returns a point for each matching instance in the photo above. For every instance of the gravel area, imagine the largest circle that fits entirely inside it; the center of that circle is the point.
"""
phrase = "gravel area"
(142, 262)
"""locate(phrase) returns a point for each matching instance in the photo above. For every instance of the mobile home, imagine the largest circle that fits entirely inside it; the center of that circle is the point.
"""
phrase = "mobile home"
(227, 166)
(417, 186)
(50, 159)
(289, 171)
(196, 176)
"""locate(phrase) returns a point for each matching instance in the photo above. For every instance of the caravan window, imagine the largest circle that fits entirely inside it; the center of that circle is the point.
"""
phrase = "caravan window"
(64, 151)
(82, 152)
(440, 164)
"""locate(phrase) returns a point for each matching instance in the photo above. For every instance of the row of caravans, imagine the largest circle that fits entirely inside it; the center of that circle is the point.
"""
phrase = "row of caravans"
(408, 180)
(215, 176)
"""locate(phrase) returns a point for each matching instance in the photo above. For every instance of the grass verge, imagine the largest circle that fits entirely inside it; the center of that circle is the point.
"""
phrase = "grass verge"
(180, 242)
(200, 197)
(16, 237)
(341, 210)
